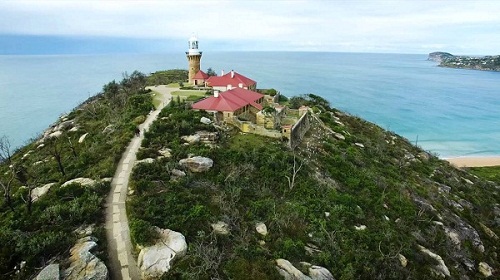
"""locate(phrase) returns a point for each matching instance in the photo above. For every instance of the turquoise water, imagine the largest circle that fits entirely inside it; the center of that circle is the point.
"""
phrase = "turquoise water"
(451, 112)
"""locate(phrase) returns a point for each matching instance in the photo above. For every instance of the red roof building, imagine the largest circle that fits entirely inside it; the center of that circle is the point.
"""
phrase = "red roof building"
(231, 103)
(231, 80)
(200, 78)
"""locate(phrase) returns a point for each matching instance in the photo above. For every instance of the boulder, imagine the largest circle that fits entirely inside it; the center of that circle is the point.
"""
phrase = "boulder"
(155, 260)
(320, 273)
(178, 173)
(359, 145)
(146, 160)
(205, 120)
(220, 228)
(197, 163)
(85, 265)
(65, 125)
(55, 134)
(361, 227)
(339, 136)
(36, 193)
(440, 268)
(84, 182)
(290, 272)
(166, 152)
(82, 138)
(485, 269)
(261, 228)
(108, 129)
(191, 139)
(50, 272)
(402, 260)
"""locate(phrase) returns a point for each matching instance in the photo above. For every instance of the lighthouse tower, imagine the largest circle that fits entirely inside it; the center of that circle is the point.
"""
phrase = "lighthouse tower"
(194, 58)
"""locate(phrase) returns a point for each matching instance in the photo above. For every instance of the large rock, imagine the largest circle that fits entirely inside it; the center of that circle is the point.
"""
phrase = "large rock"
(261, 228)
(320, 273)
(85, 265)
(197, 163)
(485, 269)
(84, 182)
(155, 260)
(440, 268)
(220, 228)
(50, 272)
(191, 139)
(82, 138)
(205, 120)
(146, 160)
(36, 193)
(290, 272)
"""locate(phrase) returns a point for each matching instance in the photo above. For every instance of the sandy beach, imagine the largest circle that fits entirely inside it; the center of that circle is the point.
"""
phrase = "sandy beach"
(474, 161)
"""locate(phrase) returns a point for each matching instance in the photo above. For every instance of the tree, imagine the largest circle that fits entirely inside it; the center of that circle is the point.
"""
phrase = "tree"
(211, 72)
(295, 170)
(5, 153)
(7, 188)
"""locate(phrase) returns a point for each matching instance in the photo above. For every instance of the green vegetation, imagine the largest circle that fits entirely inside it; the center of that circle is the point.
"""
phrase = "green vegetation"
(491, 173)
(167, 77)
(487, 63)
(38, 231)
(313, 196)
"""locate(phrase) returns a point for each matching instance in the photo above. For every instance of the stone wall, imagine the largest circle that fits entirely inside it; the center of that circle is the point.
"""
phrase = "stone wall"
(299, 129)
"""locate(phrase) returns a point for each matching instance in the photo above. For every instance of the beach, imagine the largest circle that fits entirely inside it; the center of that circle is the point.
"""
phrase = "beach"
(474, 161)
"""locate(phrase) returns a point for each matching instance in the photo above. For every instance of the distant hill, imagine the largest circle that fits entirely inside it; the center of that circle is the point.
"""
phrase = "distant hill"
(486, 63)
(440, 56)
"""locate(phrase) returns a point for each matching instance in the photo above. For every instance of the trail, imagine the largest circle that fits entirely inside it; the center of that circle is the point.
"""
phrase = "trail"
(122, 264)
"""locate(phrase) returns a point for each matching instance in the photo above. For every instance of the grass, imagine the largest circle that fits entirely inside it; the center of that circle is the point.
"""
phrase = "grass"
(157, 99)
(491, 173)
(186, 93)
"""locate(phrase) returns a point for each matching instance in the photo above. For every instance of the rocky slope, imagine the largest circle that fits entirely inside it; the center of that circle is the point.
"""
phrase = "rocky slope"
(353, 201)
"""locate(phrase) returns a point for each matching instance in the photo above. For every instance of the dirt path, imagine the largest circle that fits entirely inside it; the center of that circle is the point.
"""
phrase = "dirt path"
(122, 264)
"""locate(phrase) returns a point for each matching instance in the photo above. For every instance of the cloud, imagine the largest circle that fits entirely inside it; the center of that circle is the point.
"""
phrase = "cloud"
(326, 25)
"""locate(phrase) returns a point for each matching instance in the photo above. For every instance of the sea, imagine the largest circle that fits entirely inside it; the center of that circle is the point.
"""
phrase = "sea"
(449, 112)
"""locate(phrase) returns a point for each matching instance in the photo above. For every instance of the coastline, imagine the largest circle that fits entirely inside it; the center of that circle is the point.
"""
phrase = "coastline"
(474, 161)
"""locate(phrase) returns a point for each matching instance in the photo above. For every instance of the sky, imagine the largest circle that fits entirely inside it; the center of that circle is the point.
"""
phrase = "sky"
(405, 26)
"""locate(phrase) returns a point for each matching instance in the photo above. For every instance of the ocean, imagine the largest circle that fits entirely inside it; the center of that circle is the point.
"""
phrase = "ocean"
(450, 112)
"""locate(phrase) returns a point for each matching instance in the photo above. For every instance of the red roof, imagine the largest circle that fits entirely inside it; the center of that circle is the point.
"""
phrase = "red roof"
(201, 75)
(234, 81)
(230, 101)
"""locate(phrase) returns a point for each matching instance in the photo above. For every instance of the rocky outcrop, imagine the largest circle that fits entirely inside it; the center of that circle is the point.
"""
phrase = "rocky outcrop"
(191, 139)
(439, 56)
(84, 182)
(84, 264)
(155, 260)
(290, 272)
(36, 193)
(146, 160)
(197, 163)
(440, 268)
(485, 269)
(50, 272)
(220, 228)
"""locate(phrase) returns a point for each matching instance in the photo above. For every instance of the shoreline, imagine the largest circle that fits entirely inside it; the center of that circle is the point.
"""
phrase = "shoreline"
(474, 161)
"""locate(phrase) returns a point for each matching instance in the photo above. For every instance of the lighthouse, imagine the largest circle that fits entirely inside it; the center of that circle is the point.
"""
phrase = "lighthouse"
(194, 58)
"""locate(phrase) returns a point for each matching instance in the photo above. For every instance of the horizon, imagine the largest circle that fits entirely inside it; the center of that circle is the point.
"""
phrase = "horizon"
(378, 26)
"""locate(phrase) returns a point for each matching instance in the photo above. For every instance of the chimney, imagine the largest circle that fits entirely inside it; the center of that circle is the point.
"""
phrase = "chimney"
(216, 93)
(232, 74)
(229, 87)
(240, 85)
(222, 72)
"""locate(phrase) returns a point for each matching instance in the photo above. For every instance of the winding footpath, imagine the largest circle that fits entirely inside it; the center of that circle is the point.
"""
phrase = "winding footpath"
(122, 264)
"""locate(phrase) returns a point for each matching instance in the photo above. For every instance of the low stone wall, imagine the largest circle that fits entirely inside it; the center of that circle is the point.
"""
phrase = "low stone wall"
(255, 129)
(299, 129)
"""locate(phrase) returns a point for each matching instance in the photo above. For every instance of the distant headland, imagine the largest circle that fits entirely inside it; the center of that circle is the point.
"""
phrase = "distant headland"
(485, 63)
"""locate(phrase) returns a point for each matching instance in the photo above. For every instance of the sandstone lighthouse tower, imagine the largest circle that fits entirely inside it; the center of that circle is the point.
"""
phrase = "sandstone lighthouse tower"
(194, 58)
